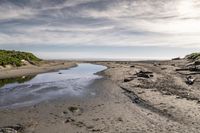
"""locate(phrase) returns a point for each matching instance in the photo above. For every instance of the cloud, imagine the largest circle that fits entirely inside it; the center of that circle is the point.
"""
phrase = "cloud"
(173, 23)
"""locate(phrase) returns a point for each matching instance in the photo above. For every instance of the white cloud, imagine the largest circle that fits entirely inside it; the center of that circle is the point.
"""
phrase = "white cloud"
(173, 23)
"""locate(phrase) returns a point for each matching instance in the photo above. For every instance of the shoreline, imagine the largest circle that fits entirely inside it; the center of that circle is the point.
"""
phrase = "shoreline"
(128, 103)
(29, 70)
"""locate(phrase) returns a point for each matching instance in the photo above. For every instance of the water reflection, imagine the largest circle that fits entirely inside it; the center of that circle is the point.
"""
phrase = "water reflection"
(22, 79)
(25, 91)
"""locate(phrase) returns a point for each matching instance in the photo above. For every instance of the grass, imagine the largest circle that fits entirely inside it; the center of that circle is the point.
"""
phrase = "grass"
(15, 58)
(193, 56)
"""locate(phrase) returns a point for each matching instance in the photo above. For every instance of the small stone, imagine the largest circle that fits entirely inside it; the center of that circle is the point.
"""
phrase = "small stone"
(128, 79)
(120, 119)
(189, 80)
(75, 110)
(65, 112)
(69, 119)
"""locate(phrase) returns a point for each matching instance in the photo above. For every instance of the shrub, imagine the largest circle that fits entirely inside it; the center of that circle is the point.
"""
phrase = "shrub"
(193, 56)
(14, 58)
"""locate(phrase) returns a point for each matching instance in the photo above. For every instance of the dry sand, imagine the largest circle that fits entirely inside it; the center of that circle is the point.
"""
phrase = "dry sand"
(162, 103)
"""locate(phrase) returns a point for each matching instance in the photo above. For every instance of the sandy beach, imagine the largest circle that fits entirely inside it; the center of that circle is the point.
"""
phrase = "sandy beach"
(127, 101)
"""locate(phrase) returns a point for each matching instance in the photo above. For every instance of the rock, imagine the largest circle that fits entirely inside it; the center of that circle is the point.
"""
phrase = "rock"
(90, 127)
(75, 110)
(79, 124)
(189, 80)
(155, 64)
(173, 65)
(144, 74)
(132, 66)
(69, 119)
(163, 68)
(120, 119)
(128, 79)
(65, 112)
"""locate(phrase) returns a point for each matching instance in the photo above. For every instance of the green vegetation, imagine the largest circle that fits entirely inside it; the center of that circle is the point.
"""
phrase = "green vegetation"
(193, 56)
(15, 58)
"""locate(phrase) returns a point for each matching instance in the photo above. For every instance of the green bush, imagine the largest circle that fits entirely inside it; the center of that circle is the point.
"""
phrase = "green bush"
(193, 56)
(14, 58)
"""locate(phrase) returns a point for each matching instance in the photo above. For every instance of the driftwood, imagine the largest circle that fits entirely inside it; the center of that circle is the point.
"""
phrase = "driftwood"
(183, 69)
(144, 74)
(12, 129)
(188, 69)
(193, 73)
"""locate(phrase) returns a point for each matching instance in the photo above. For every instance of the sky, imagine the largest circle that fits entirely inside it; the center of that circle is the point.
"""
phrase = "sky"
(101, 29)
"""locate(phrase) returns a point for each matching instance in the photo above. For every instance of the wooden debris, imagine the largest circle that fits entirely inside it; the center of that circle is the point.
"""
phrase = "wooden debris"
(144, 74)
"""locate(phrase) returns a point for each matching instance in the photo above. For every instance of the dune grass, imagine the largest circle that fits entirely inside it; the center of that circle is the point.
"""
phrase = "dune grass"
(15, 58)
(193, 56)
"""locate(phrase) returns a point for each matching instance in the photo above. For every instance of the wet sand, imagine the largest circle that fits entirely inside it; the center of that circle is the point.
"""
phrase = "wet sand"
(125, 102)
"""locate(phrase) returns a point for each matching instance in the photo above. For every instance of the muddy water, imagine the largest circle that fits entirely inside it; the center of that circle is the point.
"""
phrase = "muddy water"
(27, 91)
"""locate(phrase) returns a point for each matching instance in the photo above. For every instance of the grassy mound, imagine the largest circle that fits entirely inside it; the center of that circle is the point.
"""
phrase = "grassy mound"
(193, 56)
(15, 58)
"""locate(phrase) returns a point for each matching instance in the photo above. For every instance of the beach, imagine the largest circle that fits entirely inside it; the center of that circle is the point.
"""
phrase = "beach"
(131, 97)
(42, 67)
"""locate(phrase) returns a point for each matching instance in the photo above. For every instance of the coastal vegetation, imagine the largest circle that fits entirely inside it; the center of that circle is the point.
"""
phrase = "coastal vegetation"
(16, 58)
(193, 56)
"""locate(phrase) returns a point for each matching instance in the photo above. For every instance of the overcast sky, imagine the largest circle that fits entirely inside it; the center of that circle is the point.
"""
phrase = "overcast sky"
(101, 28)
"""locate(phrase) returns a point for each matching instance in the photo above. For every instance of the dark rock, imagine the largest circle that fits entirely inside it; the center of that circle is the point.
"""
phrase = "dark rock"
(120, 119)
(90, 127)
(132, 66)
(144, 74)
(65, 112)
(128, 79)
(189, 80)
(155, 64)
(173, 65)
(151, 75)
(75, 110)
(69, 119)
(79, 124)
(96, 130)
(163, 68)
